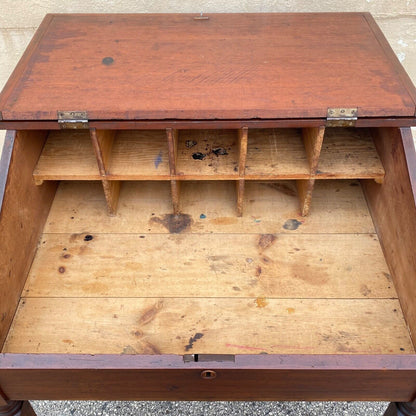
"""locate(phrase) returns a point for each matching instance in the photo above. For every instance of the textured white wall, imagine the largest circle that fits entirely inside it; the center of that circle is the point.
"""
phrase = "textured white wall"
(19, 19)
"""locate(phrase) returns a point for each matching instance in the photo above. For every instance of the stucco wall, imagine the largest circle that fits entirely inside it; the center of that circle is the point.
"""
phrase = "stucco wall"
(19, 19)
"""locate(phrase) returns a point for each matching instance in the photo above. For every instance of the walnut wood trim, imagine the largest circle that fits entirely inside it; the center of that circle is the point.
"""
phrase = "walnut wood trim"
(206, 124)
(168, 377)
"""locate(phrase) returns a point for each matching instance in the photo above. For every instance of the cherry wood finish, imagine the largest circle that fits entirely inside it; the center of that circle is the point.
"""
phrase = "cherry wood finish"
(228, 66)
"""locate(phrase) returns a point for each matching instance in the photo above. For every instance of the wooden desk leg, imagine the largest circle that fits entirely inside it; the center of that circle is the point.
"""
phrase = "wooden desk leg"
(401, 409)
(17, 408)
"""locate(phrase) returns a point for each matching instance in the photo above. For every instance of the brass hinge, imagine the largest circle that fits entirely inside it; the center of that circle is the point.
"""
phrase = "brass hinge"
(73, 119)
(341, 117)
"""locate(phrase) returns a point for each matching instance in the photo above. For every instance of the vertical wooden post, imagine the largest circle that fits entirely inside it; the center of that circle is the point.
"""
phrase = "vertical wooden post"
(102, 141)
(242, 156)
(172, 136)
(312, 139)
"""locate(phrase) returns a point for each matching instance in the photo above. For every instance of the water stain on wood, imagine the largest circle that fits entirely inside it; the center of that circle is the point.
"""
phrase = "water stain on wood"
(129, 350)
(150, 313)
(266, 240)
(258, 271)
(219, 151)
(224, 220)
(61, 269)
(290, 311)
(148, 348)
(190, 143)
(108, 60)
(291, 224)
(261, 302)
(174, 223)
(198, 156)
(314, 275)
(365, 291)
(88, 237)
(192, 341)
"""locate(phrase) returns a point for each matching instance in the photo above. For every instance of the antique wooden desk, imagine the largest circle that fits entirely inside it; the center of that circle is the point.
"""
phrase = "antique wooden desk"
(214, 207)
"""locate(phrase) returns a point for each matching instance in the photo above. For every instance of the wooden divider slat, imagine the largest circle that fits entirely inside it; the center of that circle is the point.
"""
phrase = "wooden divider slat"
(312, 139)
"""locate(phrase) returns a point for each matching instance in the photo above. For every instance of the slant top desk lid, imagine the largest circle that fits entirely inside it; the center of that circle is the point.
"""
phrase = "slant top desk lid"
(215, 66)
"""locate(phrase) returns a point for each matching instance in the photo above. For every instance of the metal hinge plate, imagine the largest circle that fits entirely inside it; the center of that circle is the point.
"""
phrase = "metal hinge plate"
(341, 117)
(73, 119)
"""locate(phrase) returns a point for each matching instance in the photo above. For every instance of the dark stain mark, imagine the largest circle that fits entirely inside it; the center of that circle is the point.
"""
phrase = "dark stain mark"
(219, 151)
(291, 224)
(72, 218)
(115, 316)
(284, 189)
(192, 340)
(61, 269)
(108, 60)
(66, 256)
(190, 144)
(150, 349)
(142, 236)
(387, 276)
(401, 349)
(198, 156)
(258, 271)
(3, 316)
(173, 388)
(354, 184)
(150, 313)
(175, 223)
(138, 334)
(64, 249)
(158, 160)
(266, 240)
(202, 216)
(88, 237)
(236, 288)
(235, 169)
(365, 290)
(266, 259)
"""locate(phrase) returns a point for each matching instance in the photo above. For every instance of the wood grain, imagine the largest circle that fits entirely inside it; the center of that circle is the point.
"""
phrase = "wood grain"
(111, 193)
(312, 139)
(208, 154)
(249, 68)
(240, 187)
(102, 141)
(276, 154)
(305, 189)
(338, 207)
(349, 153)
(242, 154)
(20, 224)
(393, 209)
(175, 187)
(208, 325)
(67, 155)
(210, 265)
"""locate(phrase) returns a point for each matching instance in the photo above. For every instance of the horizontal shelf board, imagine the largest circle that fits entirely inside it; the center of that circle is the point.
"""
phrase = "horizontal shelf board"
(208, 325)
(67, 155)
(276, 153)
(349, 153)
(210, 265)
(207, 153)
(139, 154)
(338, 207)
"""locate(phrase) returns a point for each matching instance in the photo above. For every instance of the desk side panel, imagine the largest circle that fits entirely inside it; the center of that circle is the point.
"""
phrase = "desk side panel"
(24, 210)
(393, 209)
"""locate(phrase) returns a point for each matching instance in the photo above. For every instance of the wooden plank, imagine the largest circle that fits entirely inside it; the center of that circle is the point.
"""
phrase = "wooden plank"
(167, 377)
(208, 325)
(393, 209)
(208, 154)
(176, 196)
(111, 193)
(349, 153)
(67, 155)
(305, 189)
(172, 135)
(210, 265)
(139, 154)
(102, 141)
(240, 187)
(242, 144)
(312, 139)
(339, 207)
(219, 84)
(276, 154)
(23, 214)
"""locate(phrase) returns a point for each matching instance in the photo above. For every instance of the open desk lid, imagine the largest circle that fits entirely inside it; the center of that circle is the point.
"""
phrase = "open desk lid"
(218, 66)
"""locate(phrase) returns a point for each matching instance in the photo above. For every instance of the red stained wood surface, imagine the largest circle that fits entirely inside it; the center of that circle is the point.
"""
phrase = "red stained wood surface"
(229, 66)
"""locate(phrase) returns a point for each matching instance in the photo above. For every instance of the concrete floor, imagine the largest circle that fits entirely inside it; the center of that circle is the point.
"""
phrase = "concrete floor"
(78, 408)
